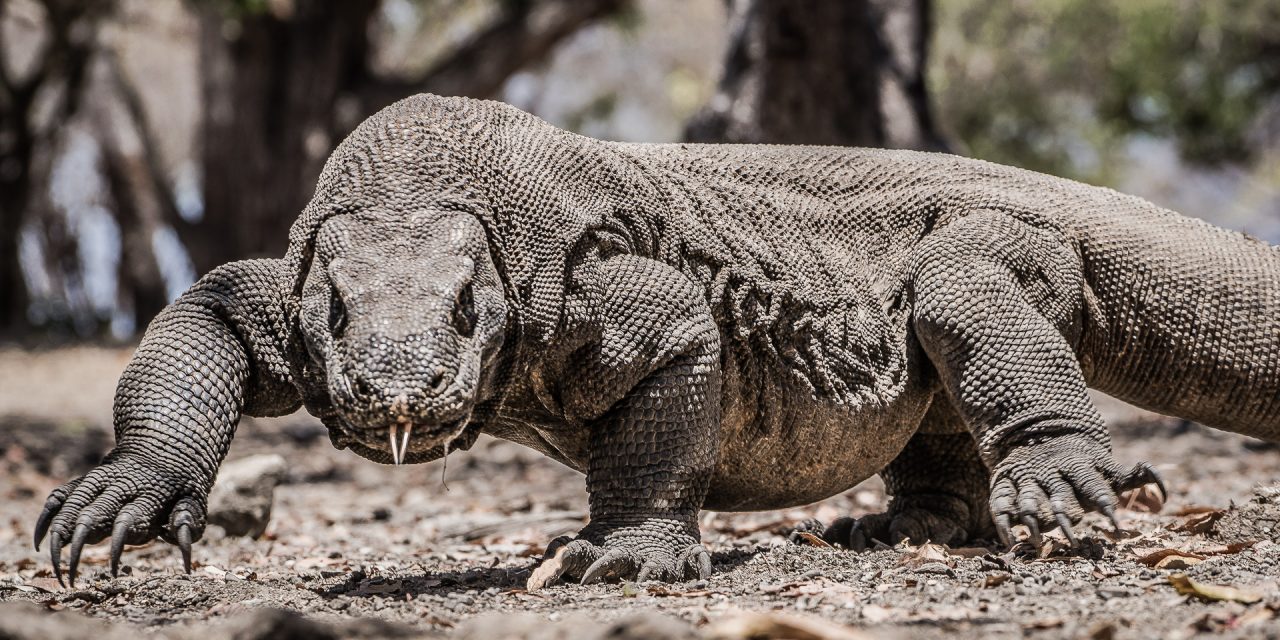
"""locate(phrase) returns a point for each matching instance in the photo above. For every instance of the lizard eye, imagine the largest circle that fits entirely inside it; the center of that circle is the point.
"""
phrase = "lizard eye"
(464, 312)
(337, 314)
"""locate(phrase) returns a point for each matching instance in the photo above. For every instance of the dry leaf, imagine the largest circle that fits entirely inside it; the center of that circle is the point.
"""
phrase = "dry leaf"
(926, 553)
(1234, 547)
(968, 552)
(1145, 499)
(996, 579)
(1171, 559)
(1188, 587)
(810, 539)
(1200, 523)
(1191, 510)
(750, 625)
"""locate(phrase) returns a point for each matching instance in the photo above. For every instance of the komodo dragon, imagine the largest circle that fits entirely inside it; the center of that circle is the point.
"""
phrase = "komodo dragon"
(727, 327)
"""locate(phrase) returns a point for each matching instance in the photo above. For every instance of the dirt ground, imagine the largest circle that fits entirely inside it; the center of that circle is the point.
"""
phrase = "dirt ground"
(356, 549)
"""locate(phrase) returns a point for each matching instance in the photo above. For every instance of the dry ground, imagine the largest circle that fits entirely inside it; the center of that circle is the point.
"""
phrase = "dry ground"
(359, 549)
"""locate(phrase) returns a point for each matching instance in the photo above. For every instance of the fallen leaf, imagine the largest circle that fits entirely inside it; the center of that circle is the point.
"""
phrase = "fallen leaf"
(1200, 523)
(1188, 587)
(1234, 547)
(1146, 499)
(1191, 510)
(47, 585)
(924, 554)
(802, 589)
(810, 539)
(1171, 559)
(745, 625)
(996, 579)
(968, 552)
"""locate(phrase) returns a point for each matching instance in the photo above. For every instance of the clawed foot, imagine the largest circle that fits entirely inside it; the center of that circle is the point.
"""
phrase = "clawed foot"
(916, 525)
(651, 551)
(127, 501)
(1053, 484)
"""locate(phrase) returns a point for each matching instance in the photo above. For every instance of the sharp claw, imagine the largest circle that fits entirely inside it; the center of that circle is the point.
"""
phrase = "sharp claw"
(77, 544)
(1002, 529)
(704, 565)
(1110, 513)
(51, 507)
(55, 554)
(1034, 528)
(646, 572)
(184, 544)
(1064, 523)
(858, 538)
(1153, 477)
(606, 564)
(118, 534)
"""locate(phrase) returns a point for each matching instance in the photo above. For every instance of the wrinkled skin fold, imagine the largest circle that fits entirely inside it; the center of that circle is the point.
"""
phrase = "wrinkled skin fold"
(695, 327)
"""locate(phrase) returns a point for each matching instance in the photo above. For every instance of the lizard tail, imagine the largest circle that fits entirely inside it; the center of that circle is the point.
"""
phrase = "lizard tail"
(1182, 317)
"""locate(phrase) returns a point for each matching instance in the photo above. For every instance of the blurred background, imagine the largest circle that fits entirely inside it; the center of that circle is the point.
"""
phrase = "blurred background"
(143, 142)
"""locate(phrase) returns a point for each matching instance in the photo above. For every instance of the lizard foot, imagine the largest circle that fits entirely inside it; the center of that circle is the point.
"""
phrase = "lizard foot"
(1053, 483)
(916, 525)
(917, 518)
(130, 502)
(653, 550)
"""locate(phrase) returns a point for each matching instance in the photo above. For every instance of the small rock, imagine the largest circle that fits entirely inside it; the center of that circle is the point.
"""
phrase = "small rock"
(240, 501)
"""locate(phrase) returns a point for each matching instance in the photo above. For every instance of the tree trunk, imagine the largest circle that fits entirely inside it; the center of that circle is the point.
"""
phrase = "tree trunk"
(272, 86)
(14, 175)
(281, 90)
(60, 69)
(845, 73)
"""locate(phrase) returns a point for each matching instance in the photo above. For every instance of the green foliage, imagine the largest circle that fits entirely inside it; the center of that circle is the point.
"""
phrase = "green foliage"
(1061, 85)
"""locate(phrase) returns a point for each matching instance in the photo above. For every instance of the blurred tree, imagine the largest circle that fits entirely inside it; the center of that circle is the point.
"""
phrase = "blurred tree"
(35, 104)
(284, 80)
(1063, 86)
(848, 73)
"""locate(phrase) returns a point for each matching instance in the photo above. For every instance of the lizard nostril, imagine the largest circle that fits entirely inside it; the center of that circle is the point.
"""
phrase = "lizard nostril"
(438, 381)
(361, 388)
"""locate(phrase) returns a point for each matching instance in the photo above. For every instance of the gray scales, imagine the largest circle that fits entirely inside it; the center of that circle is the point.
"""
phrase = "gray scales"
(727, 327)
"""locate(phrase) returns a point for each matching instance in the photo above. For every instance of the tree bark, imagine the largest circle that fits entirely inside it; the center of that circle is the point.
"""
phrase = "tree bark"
(845, 73)
(281, 90)
(271, 86)
(26, 145)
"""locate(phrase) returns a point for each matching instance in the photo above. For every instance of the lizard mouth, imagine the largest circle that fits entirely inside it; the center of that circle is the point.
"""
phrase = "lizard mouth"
(399, 435)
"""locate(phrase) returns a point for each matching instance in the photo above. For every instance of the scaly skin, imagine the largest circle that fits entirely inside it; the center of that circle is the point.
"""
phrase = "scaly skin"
(698, 326)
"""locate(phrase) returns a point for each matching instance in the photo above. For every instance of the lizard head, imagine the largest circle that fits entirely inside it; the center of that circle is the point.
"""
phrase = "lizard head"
(405, 315)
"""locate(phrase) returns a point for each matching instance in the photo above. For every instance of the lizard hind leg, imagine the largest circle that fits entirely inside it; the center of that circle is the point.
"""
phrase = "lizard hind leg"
(996, 306)
(939, 485)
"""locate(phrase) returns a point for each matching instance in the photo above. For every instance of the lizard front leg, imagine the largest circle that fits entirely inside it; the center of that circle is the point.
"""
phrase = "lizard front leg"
(653, 451)
(213, 353)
